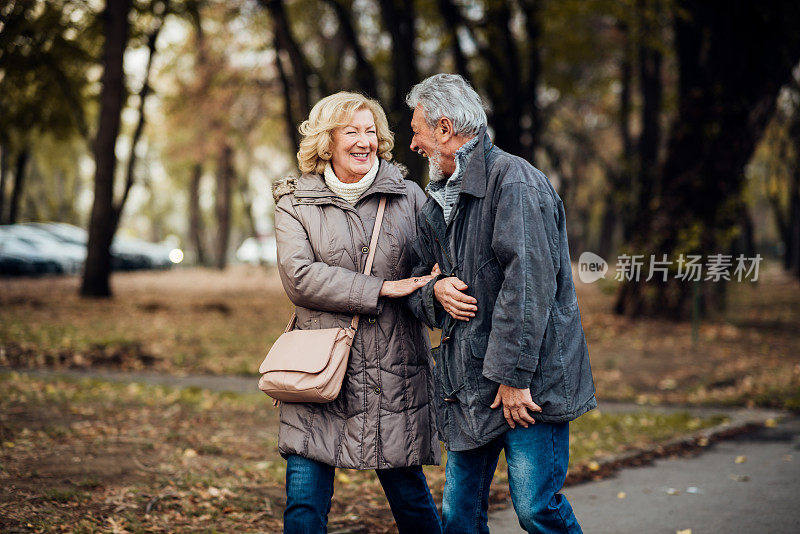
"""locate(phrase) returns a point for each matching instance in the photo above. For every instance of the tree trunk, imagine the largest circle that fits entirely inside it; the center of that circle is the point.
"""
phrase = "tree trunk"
(398, 20)
(20, 170)
(650, 139)
(793, 234)
(746, 243)
(503, 84)
(247, 206)
(195, 216)
(195, 213)
(531, 134)
(144, 92)
(224, 184)
(288, 114)
(365, 77)
(452, 21)
(728, 87)
(791, 237)
(618, 197)
(284, 40)
(3, 176)
(103, 222)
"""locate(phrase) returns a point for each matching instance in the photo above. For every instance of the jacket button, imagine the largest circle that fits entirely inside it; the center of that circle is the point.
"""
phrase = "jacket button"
(365, 249)
(371, 320)
(377, 390)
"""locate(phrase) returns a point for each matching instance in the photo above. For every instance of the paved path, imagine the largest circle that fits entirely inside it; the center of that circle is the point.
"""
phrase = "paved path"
(709, 494)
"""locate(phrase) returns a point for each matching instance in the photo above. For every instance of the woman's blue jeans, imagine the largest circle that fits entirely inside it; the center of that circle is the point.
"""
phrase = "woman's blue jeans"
(537, 459)
(309, 490)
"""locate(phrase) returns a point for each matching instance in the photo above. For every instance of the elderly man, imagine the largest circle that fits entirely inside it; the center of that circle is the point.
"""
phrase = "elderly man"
(512, 368)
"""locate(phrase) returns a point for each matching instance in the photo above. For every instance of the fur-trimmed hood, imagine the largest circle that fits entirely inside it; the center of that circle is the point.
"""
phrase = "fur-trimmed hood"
(283, 186)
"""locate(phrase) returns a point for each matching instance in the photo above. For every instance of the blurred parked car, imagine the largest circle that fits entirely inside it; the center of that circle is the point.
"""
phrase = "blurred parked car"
(124, 257)
(69, 256)
(258, 250)
(41, 248)
(154, 255)
(20, 258)
(127, 254)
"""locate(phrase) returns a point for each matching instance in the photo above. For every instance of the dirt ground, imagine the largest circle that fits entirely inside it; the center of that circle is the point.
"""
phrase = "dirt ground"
(92, 456)
(85, 455)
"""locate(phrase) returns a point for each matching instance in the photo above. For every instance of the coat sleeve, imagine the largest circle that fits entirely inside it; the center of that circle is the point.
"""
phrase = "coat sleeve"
(315, 284)
(522, 310)
(422, 302)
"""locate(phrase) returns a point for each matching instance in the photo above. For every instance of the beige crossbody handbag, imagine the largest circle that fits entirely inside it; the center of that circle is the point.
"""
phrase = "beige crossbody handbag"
(309, 365)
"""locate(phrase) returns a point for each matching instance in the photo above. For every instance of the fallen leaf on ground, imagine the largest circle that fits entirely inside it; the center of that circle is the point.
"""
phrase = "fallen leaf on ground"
(621, 495)
(740, 459)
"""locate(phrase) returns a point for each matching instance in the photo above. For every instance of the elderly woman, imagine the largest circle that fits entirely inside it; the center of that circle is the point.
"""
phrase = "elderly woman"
(383, 417)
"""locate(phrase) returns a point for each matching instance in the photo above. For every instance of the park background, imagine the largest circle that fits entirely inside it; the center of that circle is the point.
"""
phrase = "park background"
(667, 127)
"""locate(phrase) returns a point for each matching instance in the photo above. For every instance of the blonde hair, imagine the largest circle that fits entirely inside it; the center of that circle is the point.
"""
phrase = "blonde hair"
(336, 111)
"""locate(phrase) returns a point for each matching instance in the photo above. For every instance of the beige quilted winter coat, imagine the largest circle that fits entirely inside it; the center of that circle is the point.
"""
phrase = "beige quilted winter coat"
(383, 417)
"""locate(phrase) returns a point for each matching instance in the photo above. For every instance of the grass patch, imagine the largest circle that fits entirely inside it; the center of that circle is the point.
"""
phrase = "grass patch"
(63, 496)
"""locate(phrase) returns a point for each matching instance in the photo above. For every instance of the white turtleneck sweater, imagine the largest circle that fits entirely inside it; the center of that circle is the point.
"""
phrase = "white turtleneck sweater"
(350, 192)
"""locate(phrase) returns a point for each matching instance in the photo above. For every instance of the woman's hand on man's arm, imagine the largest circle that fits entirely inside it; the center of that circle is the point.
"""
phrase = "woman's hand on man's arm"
(406, 286)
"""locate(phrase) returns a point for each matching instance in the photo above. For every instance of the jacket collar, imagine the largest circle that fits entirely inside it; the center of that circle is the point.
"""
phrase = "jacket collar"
(474, 181)
(312, 189)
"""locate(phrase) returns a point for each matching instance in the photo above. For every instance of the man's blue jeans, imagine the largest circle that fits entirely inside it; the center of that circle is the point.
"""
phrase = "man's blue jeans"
(537, 459)
(309, 489)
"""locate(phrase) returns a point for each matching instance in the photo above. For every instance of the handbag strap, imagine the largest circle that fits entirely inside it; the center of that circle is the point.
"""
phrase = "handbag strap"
(373, 244)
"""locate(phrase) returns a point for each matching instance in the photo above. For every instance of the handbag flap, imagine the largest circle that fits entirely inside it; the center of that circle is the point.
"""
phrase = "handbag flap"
(307, 351)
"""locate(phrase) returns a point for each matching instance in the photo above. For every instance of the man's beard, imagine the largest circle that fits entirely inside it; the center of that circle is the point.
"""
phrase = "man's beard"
(435, 173)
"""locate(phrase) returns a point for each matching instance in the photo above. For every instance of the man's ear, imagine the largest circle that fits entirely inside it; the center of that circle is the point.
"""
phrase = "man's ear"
(444, 130)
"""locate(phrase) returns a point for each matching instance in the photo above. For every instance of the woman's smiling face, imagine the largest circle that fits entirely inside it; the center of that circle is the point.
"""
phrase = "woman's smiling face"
(355, 147)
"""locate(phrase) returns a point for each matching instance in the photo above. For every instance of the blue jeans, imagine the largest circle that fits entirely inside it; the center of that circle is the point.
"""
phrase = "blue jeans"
(537, 459)
(309, 489)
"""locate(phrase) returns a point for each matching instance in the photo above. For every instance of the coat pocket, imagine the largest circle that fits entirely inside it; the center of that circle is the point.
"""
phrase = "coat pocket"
(559, 369)
(487, 389)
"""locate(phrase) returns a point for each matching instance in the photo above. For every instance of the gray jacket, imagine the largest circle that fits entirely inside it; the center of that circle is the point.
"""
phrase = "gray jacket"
(508, 243)
(383, 416)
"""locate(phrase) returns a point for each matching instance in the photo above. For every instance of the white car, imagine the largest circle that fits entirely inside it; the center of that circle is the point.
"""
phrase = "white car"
(258, 250)
(70, 256)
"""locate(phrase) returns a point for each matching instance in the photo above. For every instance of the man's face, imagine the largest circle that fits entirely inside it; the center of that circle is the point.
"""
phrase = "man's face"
(425, 143)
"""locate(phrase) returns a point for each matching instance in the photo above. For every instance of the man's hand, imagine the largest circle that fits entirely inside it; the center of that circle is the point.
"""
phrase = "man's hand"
(516, 403)
(450, 293)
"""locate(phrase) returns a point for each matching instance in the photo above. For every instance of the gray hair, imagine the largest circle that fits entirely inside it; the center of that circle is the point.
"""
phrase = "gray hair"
(451, 96)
